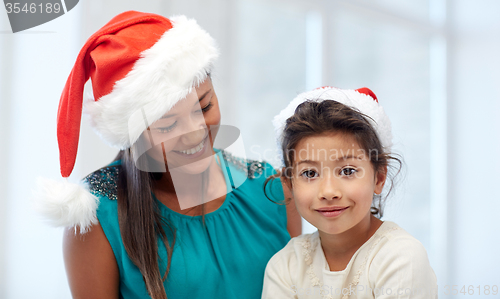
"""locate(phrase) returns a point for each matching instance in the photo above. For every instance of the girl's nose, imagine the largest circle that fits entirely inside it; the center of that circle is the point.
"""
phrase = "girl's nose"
(330, 189)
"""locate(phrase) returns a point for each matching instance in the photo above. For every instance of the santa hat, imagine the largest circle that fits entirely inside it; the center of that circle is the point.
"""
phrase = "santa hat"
(140, 65)
(362, 99)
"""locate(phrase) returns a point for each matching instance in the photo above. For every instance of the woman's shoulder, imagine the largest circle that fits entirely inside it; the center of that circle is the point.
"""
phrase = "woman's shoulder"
(248, 168)
(252, 175)
(103, 185)
(103, 182)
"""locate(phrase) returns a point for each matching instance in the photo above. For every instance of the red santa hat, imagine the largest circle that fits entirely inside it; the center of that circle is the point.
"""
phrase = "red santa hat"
(140, 65)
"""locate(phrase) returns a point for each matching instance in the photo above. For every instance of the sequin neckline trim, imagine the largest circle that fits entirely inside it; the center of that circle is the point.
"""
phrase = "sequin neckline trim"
(104, 182)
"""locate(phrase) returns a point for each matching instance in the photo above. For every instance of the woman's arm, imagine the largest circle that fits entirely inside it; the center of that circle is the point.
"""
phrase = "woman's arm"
(90, 264)
(294, 225)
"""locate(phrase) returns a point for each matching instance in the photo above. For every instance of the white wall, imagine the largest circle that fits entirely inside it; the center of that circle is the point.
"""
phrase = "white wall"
(475, 143)
(35, 64)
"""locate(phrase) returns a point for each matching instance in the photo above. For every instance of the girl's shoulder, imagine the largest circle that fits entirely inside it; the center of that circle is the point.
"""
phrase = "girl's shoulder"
(392, 237)
(398, 249)
(287, 265)
(398, 260)
(391, 242)
(298, 250)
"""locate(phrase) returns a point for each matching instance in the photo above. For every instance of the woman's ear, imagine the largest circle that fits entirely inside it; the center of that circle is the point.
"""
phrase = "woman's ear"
(380, 178)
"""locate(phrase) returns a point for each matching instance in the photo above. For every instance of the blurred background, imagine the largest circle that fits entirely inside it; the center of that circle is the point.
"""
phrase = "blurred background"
(434, 65)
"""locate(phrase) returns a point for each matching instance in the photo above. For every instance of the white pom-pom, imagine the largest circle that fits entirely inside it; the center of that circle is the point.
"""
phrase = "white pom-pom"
(66, 204)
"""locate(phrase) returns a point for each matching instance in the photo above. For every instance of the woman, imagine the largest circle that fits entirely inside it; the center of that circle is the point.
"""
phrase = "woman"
(171, 217)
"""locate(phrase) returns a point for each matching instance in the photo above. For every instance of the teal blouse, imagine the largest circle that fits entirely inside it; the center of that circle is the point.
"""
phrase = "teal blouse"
(223, 258)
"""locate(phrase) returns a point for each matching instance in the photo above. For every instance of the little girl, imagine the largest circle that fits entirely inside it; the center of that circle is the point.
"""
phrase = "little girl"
(336, 147)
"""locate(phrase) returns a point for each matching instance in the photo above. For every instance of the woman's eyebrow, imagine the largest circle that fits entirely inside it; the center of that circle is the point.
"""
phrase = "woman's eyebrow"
(199, 100)
(204, 95)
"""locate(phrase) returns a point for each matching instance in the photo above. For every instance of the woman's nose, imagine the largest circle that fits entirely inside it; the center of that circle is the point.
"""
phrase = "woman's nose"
(195, 130)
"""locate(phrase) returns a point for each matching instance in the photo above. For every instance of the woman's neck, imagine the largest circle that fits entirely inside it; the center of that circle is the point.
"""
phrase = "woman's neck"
(189, 193)
(340, 248)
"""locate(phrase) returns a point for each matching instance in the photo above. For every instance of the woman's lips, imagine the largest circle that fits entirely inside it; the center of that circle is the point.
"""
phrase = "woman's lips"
(197, 154)
(331, 211)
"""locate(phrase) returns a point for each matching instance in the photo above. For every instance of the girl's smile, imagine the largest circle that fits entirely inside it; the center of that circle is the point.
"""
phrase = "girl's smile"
(331, 211)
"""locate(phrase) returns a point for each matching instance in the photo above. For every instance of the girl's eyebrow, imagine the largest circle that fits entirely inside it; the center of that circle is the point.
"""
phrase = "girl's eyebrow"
(346, 157)
(317, 162)
(307, 162)
(199, 100)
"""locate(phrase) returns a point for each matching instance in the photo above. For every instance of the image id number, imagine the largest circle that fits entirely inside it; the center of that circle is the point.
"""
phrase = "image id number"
(470, 290)
(33, 8)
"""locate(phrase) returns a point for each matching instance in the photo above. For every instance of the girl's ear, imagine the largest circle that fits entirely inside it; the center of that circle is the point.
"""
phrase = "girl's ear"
(286, 179)
(380, 178)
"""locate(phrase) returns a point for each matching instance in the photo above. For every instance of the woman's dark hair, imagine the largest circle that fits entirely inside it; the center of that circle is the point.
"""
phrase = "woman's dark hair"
(141, 223)
(313, 118)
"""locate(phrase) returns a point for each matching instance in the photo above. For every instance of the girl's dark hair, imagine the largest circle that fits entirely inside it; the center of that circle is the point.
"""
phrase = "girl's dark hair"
(141, 223)
(313, 118)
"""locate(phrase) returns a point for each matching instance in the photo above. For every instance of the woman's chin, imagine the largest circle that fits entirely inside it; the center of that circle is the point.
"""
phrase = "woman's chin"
(196, 167)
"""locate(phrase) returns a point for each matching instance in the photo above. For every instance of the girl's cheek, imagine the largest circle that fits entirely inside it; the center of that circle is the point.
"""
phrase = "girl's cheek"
(301, 195)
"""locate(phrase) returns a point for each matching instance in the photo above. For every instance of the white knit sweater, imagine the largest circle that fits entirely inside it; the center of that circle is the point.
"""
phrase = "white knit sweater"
(391, 264)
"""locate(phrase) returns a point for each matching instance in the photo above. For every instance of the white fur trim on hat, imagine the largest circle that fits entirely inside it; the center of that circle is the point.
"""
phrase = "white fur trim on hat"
(165, 74)
(66, 204)
(352, 98)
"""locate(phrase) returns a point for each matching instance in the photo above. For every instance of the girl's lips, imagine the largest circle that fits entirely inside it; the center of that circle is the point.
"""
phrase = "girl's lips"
(331, 211)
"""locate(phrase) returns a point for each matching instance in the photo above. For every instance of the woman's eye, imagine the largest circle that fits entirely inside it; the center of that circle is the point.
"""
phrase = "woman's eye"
(309, 174)
(348, 171)
(207, 107)
(167, 129)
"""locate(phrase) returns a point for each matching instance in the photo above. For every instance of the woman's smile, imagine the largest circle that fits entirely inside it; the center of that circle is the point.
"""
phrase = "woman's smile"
(196, 151)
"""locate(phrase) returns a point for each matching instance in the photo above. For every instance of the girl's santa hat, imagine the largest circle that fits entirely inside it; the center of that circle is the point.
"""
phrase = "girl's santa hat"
(140, 65)
(361, 99)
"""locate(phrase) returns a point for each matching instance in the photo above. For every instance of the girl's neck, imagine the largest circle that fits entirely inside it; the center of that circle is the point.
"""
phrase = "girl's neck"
(340, 248)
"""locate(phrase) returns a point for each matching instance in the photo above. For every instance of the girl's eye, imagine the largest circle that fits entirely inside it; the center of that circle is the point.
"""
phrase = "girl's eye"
(207, 107)
(347, 171)
(309, 174)
(167, 129)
